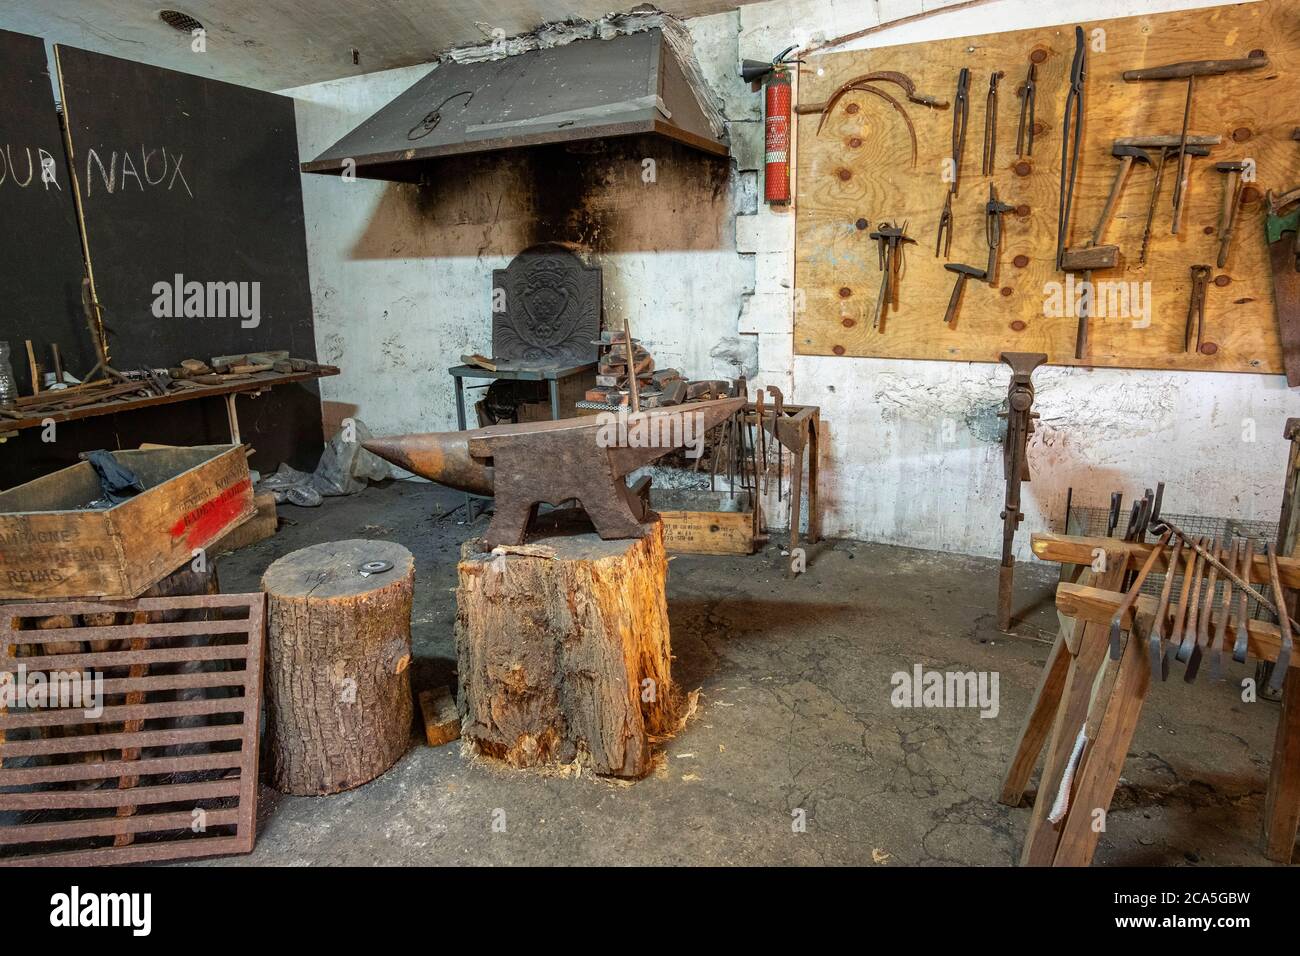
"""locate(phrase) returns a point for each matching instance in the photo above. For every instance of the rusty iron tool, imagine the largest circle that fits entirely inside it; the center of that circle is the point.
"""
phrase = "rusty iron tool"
(1241, 645)
(963, 272)
(943, 237)
(960, 115)
(1180, 615)
(991, 124)
(1282, 231)
(1028, 98)
(1163, 154)
(1217, 671)
(1072, 124)
(778, 410)
(761, 413)
(629, 348)
(1196, 308)
(1131, 596)
(1189, 71)
(898, 108)
(901, 80)
(890, 241)
(1094, 255)
(1015, 465)
(1198, 633)
(1283, 623)
(529, 464)
(1241, 580)
(1155, 649)
(994, 210)
(1232, 189)
(1127, 156)
(1112, 519)
(1187, 639)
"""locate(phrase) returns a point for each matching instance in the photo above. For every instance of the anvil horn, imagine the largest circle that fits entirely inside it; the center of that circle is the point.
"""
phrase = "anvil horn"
(439, 456)
(550, 462)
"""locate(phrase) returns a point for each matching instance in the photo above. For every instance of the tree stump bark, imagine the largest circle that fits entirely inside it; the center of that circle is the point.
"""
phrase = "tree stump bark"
(338, 689)
(564, 650)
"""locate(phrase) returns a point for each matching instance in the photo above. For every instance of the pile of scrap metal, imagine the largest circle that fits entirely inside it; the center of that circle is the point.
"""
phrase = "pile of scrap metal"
(618, 387)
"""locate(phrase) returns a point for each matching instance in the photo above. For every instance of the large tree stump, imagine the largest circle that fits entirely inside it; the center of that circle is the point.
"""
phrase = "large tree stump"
(338, 645)
(564, 651)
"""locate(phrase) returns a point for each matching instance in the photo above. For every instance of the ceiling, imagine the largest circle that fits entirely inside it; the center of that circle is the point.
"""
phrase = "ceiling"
(277, 44)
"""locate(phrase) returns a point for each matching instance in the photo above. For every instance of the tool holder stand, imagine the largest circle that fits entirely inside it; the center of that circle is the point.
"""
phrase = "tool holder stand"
(1084, 691)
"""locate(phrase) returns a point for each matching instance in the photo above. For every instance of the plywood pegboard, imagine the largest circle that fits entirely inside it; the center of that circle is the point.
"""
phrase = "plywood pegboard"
(859, 168)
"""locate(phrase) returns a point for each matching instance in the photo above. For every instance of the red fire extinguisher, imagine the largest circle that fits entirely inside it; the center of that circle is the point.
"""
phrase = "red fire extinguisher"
(777, 101)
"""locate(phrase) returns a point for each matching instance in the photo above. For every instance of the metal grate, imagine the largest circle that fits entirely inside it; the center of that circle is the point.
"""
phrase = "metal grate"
(1091, 522)
(162, 762)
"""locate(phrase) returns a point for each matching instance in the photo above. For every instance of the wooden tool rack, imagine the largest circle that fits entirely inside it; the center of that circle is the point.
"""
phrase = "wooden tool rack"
(1083, 691)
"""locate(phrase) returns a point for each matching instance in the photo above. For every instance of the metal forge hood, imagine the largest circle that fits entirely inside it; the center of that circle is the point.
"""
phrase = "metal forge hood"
(584, 90)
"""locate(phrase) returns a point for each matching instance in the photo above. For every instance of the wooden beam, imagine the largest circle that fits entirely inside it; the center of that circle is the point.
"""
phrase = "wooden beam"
(1099, 605)
(1076, 549)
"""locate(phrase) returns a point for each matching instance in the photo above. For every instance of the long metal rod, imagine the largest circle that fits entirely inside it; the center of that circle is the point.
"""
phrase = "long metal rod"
(1224, 569)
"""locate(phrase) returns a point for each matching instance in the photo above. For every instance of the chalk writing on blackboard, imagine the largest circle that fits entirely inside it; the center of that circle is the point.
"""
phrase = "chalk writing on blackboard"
(23, 166)
(114, 171)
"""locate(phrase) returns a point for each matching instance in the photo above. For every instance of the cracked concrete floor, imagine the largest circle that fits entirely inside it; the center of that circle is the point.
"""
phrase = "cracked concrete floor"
(794, 714)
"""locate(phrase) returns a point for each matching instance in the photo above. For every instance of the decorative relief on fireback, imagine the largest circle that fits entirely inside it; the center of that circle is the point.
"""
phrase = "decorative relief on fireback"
(550, 311)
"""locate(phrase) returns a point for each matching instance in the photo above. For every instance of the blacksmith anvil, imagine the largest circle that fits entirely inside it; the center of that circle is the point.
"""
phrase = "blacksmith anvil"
(584, 458)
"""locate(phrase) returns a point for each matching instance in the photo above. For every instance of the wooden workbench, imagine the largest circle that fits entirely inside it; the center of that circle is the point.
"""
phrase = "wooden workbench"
(255, 384)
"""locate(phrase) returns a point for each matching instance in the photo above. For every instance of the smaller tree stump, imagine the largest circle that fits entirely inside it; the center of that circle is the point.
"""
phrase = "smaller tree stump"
(563, 650)
(338, 688)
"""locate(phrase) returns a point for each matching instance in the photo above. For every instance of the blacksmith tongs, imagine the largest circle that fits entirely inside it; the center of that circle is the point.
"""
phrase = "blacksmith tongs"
(1070, 144)
(1028, 100)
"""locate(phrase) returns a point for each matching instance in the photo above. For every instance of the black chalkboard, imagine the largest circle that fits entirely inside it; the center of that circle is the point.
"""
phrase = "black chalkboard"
(188, 177)
(40, 252)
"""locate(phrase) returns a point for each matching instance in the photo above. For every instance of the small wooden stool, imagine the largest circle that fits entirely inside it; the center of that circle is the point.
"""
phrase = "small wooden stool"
(338, 688)
(563, 649)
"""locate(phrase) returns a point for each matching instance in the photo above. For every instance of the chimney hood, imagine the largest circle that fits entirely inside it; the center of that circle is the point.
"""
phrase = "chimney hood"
(584, 90)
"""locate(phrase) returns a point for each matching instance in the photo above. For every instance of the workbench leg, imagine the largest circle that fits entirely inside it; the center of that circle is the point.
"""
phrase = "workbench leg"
(555, 400)
(232, 416)
(1282, 803)
(1102, 762)
(1038, 724)
(1093, 643)
(814, 452)
(796, 497)
(460, 426)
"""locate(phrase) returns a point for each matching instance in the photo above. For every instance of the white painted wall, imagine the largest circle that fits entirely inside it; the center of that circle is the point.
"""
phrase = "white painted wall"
(913, 456)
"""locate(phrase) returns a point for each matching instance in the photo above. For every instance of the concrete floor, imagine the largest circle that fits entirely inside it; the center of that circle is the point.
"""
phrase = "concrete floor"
(794, 713)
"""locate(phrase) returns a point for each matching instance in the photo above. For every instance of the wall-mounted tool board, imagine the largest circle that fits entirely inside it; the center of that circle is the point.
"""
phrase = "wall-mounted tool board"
(859, 168)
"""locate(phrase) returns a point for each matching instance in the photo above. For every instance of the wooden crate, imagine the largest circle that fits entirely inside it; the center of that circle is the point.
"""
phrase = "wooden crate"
(49, 548)
(708, 532)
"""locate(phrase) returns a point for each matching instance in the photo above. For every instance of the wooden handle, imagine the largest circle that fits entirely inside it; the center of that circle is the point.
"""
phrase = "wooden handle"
(1190, 68)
